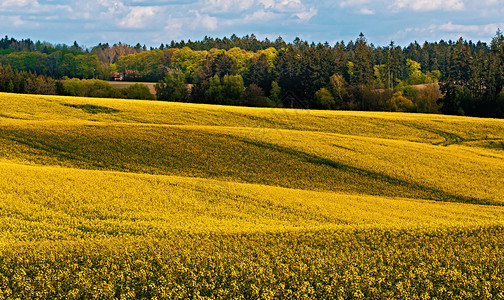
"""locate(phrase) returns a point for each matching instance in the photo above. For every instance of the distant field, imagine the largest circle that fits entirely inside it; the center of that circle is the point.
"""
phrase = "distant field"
(125, 199)
(125, 84)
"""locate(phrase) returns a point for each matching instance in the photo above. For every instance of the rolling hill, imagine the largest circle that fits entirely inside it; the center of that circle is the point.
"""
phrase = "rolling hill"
(132, 199)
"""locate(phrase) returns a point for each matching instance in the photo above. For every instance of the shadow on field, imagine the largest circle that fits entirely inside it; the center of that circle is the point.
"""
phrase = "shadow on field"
(203, 154)
(410, 189)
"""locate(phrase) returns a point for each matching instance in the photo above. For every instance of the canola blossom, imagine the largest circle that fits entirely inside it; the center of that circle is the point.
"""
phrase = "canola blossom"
(125, 199)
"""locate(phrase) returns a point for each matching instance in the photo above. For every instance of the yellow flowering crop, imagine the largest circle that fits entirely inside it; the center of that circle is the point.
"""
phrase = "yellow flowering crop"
(124, 199)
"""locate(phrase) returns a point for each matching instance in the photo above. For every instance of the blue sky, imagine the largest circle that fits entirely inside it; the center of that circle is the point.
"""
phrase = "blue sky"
(153, 22)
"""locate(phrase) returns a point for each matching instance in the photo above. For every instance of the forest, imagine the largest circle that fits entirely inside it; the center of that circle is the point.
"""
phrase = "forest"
(450, 77)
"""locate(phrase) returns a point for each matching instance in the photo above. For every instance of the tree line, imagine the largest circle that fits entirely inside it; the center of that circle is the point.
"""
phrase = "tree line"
(452, 77)
(14, 81)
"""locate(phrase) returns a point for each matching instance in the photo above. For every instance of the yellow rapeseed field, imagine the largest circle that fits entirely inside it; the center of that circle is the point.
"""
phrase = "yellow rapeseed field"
(124, 199)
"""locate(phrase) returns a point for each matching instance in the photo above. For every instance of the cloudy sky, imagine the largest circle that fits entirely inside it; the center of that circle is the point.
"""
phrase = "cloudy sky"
(153, 22)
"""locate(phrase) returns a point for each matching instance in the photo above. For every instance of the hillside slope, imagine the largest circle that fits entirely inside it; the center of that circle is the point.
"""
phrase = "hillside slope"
(398, 155)
(41, 203)
(122, 199)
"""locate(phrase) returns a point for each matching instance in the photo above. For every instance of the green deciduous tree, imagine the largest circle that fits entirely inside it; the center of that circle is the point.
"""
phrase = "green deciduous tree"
(224, 64)
(138, 91)
(275, 94)
(463, 100)
(400, 103)
(426, 101)
(214, 92)
(186, 60)
(143, 66)
(253, 95)
(338, 87)
(172, 87)
(232, 89)
(415, 75)
(324, 98)
(90, 88)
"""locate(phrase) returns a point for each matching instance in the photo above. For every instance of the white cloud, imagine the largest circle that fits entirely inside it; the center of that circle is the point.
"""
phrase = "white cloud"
(205, 21)
(366, 11)
(17, 22)
(172, 19)
(99, 10)
(429, 5)
(368, 7)
(113, 7)
(450, 31)
(137, 16)
(305, 16)
(228, 5)
(267, 3)
(240, 12)
(237, 6)
(174, 27)
(20, 3)
(32, 7)
(288, 5)
(349, 3)
(362, 6)
(459, 28)
(260, 16)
